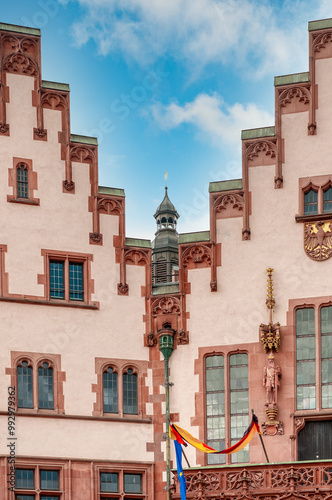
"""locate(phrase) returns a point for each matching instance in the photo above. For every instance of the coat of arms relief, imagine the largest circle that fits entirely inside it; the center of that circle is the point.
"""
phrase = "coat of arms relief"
(318, 239)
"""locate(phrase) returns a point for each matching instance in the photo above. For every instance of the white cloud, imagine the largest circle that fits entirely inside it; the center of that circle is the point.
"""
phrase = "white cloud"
(255, 34)
(219, 123)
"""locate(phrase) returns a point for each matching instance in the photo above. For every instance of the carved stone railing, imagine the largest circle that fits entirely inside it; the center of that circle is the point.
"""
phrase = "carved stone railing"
(304, 480)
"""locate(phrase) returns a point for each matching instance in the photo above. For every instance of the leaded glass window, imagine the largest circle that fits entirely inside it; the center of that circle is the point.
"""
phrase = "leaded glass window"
(109, 482)
(326, 353)
(327, 200)
(130, 395)
(110, 391)
(133, 483)
(305, 359)
(26, 497)
(215, 406)
(45, 387)
(239, 402)
(25, 479)
(311, 202)
(57, 282)
(24, 386)
(49, 480)
(76, 291)
(22, 181)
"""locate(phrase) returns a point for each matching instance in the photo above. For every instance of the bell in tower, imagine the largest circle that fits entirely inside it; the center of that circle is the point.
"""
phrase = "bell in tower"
(165, 251)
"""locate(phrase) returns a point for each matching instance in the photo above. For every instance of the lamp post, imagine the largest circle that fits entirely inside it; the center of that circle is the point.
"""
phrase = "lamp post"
(166, 346)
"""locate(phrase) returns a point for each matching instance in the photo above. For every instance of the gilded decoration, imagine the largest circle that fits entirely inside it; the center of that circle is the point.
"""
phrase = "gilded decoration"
(270, 336)
(318, 240)
(270, 333)
(270, 339)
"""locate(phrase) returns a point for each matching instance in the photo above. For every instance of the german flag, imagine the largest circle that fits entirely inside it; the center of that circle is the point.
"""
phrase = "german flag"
(182, 436)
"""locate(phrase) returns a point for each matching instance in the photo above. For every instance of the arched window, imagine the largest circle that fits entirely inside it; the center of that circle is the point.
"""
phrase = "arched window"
(110, 391)
(311, 202)
(45, 386)
(39, 381)
(130, 393)
(24, 385)
(22, 181)
(327, 200)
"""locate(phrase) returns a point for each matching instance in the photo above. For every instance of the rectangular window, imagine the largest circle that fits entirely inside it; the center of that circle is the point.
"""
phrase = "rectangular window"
(49, 480)
(110, 391)
(22, 181)
(311, 202)
(66, 280)
(305, 359)
(45, 387)
(43, 483)
(225, 429)
(24, 386)
(326, 356)
(109, 482)
(25, 479)
(133, 483)
(130, 396)
(57, 281)
(123, 484)
(215, 406)
(327, 201)
(76, 291)
(239, 404)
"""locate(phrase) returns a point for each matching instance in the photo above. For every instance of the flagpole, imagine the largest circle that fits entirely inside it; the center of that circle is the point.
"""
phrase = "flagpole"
(262, 443)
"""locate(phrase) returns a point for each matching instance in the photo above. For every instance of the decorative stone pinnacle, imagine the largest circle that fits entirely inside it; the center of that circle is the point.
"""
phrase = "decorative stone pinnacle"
(270, 302)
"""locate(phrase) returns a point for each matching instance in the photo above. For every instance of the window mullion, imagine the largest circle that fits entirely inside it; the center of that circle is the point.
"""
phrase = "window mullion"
(320, 200)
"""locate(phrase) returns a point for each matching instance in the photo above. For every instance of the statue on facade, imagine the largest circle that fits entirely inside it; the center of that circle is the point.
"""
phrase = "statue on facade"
(271, 380)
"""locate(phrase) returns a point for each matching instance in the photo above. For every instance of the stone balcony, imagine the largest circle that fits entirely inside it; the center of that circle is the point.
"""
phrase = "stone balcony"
(295, 480)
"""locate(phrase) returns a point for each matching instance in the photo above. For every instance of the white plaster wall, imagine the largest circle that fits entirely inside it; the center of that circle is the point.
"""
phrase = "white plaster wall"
(62, 222)
(79, 439)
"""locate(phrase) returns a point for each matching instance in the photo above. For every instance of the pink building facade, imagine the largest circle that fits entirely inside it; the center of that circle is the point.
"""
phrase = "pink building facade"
(82, 398)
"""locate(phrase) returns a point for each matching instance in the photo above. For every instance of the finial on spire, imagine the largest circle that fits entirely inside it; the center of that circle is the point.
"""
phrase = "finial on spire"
(166, 175)
(270, 299)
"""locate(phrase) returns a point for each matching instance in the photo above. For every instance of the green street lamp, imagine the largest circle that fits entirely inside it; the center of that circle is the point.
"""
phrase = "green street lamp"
(166, 346)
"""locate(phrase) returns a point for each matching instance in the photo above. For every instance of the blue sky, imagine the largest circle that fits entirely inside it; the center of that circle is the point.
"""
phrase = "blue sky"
(168, 85)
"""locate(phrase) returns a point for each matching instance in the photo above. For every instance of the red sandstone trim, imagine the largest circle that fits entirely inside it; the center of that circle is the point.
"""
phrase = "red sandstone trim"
(120, 366)
(32, 182)
(66, 257)
(35, 360)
